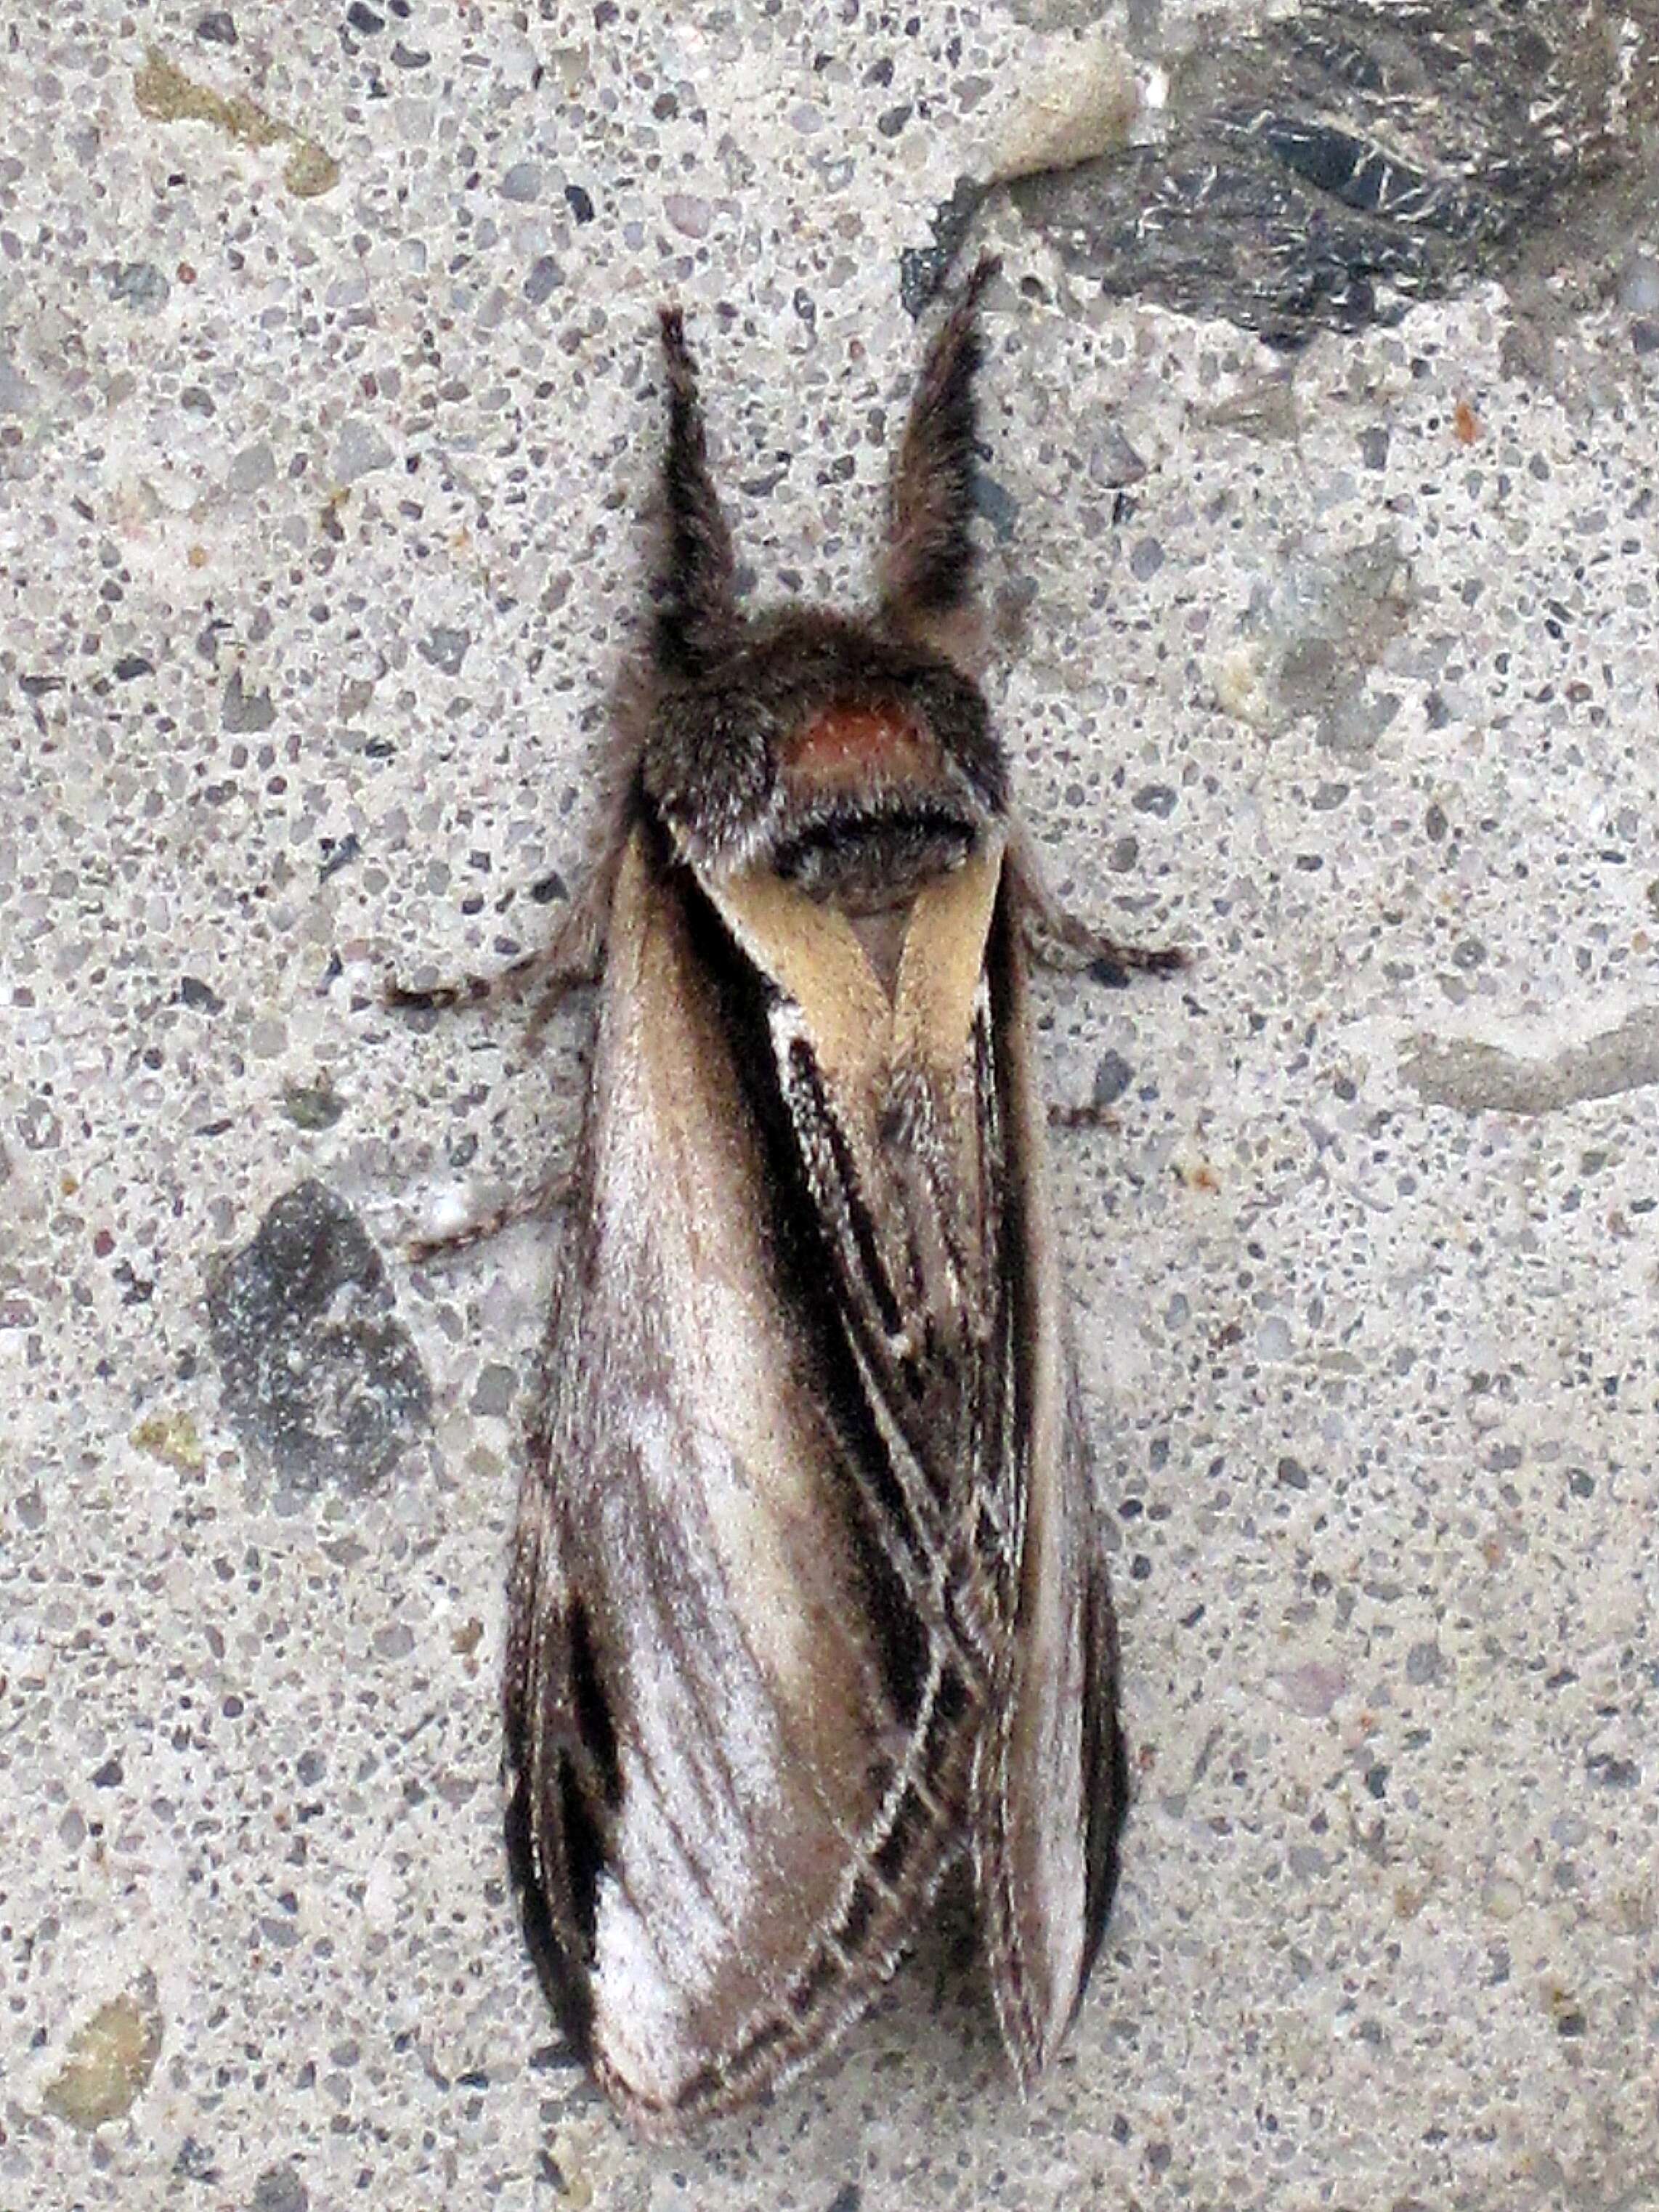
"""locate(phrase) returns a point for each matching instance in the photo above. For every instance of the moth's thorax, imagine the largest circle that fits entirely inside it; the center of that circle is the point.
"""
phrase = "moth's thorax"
(845, 745)
(870, 810)
(842, 756)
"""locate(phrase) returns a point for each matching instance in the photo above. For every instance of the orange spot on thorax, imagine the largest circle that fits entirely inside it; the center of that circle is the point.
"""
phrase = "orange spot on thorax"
(845, 745)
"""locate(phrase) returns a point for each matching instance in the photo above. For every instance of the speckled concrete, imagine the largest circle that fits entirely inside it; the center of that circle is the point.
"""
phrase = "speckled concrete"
(327, 413)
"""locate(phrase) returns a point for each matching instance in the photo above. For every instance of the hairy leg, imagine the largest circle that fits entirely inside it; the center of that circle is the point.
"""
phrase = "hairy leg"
(1060, 939)
(572, 958)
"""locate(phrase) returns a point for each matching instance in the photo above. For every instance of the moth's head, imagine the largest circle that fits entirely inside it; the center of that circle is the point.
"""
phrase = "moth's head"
(851, 755)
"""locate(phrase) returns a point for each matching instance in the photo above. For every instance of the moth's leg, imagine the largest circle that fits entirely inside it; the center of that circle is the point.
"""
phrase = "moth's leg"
(572, 958)
(546, 1197)
(1085, 1115)
(1060, 939)
(476, 990)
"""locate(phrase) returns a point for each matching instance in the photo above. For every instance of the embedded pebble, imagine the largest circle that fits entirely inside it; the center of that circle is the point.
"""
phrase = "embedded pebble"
(543, 280)
(279, 2189)
(523, 181)
(359, 450)
(109, 2061)
(244, 712)
(139, 284)
(1079, 99)
(446, 647)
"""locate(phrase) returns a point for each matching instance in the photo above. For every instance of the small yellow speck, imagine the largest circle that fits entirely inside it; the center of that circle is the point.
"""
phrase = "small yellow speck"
(172, 1438)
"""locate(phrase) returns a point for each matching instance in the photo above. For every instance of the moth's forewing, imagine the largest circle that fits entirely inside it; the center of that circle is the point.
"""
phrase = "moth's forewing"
(1048, 1783)
(739, 1766)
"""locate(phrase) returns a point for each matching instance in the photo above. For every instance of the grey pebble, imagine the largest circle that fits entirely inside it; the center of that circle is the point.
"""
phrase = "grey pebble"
(1638, 285)
(494, 1390)
(1374, 446)
(1426, 1662)
(16, 392)
(279, 2189)
(544, 278)
(1613, 1773)
(1115, 463)
(139, 285)
(196, 2161)
(253, 466)
(242, 712)
(1159, 799)
(359, 450)
(338, 852)
(312, 1106)
(523, 181)
(999, 506)
(1112, 1076)
(446, 648)
(690, 213)
(216, 28)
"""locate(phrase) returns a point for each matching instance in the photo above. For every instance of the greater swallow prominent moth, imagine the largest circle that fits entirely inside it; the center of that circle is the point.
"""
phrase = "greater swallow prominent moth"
(808, 1602)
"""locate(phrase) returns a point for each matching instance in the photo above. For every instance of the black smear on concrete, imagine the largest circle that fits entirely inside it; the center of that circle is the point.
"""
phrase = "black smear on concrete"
(320, 1380)
(1344, 161)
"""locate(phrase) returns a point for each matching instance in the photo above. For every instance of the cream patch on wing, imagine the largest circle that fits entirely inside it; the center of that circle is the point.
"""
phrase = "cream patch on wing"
(677, 1184)
(1040, 1819)
(944, 959)
(812, 951)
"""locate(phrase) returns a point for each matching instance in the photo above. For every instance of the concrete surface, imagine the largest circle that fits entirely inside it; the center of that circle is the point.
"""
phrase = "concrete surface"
(327, 417)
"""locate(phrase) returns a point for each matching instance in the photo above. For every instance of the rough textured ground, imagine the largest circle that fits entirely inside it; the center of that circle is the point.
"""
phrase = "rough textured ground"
(328, 404)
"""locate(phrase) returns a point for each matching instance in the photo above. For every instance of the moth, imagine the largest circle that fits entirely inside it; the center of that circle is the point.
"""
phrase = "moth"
(808, 1604)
